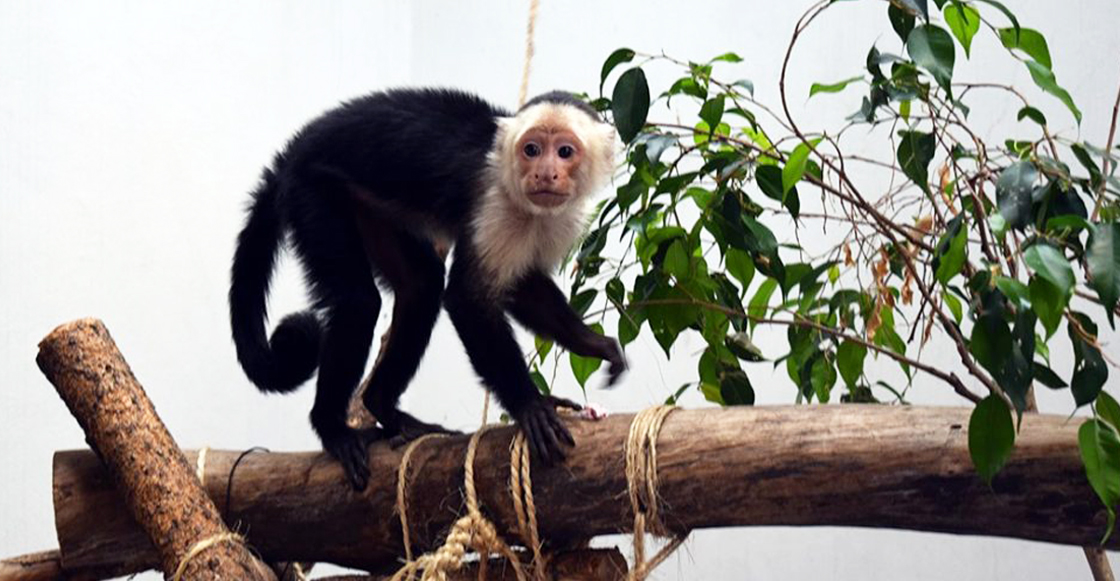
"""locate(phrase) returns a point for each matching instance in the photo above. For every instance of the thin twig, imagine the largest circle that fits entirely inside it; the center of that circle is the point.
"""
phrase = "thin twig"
(1105, 169)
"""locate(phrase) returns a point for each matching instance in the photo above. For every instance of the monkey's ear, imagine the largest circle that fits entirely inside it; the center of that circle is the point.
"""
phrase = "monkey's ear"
(506, 134)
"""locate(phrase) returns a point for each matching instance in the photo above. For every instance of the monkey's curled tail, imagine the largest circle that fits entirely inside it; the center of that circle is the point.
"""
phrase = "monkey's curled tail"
(289, 359)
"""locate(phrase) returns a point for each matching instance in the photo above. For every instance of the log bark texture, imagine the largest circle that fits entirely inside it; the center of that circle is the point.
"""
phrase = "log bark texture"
(840, 465)
(159, 487)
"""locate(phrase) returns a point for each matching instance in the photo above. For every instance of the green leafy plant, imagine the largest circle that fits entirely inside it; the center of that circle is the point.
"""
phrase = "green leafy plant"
(990, 246)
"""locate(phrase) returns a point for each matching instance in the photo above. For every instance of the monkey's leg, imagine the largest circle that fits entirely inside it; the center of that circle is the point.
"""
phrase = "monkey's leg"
(415, 271)
(327, 241)
(541, 307)
(496, 357)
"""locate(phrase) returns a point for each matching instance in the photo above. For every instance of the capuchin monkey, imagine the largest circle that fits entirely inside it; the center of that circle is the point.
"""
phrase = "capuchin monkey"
(365, 195)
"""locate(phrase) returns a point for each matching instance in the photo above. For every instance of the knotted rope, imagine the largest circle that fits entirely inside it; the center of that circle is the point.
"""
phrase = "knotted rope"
(471, 531)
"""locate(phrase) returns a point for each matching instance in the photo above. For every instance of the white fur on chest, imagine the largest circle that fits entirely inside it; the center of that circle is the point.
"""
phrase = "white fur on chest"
(510, 242)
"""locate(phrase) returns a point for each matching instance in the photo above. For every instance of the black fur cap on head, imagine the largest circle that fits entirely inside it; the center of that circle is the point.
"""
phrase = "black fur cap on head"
(562, 98)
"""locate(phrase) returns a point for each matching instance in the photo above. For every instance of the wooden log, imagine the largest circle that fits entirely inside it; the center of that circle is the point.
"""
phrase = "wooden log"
(159, 487)
(47, 566)
(577, 565)
(838, 465)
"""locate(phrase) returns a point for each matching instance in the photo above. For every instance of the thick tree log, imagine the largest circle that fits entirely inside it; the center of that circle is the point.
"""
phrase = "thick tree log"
(842, 465)
(577, 565)
(159, 486)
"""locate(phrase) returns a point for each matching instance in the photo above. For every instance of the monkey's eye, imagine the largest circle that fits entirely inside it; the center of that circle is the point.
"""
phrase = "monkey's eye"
(566, 151)
(532, 150)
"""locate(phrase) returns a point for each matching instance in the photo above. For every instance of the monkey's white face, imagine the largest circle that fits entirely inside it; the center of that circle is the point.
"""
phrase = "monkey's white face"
(551, 157)
(548, 159)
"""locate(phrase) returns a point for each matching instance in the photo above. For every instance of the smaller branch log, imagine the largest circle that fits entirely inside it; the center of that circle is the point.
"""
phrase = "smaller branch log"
(159, 486)
(47, 566)
(1098, 564)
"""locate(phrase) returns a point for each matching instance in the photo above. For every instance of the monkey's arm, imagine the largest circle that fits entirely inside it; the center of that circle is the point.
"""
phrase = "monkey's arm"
(540, 306)
(482, 327)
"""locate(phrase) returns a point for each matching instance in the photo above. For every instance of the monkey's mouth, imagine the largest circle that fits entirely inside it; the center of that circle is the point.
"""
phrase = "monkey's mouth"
(547, 198)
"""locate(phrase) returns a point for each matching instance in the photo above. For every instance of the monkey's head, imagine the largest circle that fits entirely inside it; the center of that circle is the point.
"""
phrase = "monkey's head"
(553, 154)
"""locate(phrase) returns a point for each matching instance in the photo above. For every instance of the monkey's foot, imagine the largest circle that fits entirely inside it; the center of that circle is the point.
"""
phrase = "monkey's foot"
(544, 429)
(349, 447)
(410, 428)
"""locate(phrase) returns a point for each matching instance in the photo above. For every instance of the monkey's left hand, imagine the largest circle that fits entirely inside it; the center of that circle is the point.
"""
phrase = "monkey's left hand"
(544, 430)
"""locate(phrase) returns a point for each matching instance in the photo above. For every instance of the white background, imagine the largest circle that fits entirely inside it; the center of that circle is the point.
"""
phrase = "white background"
(131, 132)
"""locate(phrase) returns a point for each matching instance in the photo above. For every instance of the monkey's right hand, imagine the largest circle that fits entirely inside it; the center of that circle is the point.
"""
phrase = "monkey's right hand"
(544, 430)
(613, 353)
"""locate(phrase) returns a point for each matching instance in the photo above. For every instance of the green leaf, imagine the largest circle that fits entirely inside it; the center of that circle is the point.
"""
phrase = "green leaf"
(539, 381)
(1029, 41)
(932, 49)
(630, 104)
(964, 22)
(741, 346)
(915, 151)
(735, 388)
(919, 7)
(543, 346)
(729, 57)
(1103, 259)
(1032, 114)
(1013, 193)
(833, 87)
(990, 342)
(676, 261)
(1108, 409)
(1014, 291)
(747, 84)
(1049, 263)
(622, 55)
(769, 180)
(951, 261)
(1048, 302)
(795, 165)
(822, 377)
(761, 300)
(954, 305)
(582, 301)
(582, 367)
(740, 265)
(1089, 368)
(628, 328)
(1047, 377)
(991, 436)
(616, 291)
(1044, 78)
(902, 20)
(999, 6)
(849, 358)
(712, 111)
(1100, 453)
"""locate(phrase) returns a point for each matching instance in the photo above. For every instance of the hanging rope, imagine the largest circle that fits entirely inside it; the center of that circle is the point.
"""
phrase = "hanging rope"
(521, 491)
(530, 31)
(641, 483)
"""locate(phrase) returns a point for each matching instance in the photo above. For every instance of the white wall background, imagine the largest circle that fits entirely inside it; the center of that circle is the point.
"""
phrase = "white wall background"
(130, 133)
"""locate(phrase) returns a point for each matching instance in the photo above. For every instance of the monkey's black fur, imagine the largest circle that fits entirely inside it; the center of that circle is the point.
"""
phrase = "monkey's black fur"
(349, 192)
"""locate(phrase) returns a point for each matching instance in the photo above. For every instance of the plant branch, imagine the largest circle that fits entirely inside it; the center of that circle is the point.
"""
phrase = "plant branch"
(1105, 165)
